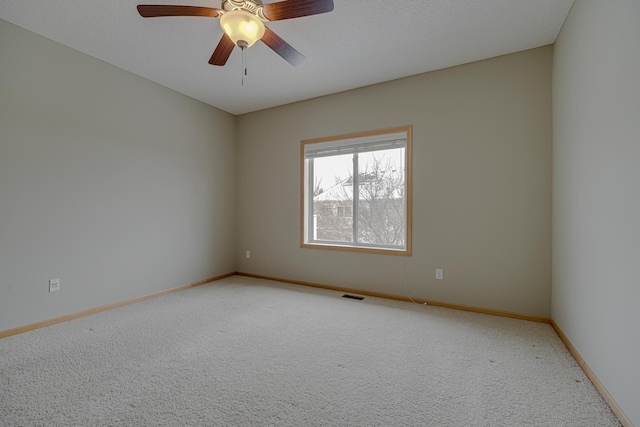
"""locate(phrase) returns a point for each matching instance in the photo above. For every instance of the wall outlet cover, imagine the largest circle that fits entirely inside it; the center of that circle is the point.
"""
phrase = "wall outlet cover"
(54, 285)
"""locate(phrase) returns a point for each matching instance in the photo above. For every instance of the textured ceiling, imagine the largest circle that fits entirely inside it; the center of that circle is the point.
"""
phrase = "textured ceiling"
(362, 42)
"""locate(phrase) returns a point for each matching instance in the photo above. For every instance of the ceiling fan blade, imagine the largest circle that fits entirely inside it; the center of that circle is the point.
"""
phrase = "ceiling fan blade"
(296, 8)
(155, 10)
(223, 51)
(281, 47)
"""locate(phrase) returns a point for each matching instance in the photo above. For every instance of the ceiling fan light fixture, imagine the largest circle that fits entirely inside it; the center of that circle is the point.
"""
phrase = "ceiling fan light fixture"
(242, 26)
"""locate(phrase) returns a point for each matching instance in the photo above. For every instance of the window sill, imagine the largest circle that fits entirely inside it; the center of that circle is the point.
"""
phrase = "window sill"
(361, 249)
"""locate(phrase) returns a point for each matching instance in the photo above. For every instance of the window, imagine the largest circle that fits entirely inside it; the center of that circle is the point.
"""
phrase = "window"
(356, 192)
(344, 210)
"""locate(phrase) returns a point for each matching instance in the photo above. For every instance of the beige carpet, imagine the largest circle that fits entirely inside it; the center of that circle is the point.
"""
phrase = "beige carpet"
(248, 352)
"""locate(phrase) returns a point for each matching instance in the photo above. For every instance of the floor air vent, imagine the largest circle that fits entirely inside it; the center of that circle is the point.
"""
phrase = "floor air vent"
(352, 297)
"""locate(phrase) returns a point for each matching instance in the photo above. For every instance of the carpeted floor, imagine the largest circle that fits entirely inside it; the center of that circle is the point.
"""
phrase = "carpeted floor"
(249, 352)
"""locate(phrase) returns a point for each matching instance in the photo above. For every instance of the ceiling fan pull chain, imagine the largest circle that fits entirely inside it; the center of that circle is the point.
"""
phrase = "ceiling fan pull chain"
(244, 67)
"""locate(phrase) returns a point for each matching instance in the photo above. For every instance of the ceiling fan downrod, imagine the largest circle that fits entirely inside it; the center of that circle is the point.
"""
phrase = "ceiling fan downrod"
(243, 45)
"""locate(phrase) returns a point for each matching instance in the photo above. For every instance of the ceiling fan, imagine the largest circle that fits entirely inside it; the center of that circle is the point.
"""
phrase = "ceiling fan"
(243, 23)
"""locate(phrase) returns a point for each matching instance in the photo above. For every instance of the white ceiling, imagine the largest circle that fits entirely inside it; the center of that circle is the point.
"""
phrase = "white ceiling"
(362, 42)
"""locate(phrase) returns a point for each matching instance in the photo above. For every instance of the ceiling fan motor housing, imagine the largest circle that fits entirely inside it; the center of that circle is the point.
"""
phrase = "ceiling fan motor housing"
(254, 7)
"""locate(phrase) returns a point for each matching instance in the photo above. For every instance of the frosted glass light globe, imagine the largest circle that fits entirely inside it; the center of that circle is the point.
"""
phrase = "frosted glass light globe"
(241, 25)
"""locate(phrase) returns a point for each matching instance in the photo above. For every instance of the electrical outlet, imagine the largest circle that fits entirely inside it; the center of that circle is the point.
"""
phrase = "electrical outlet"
(439, 274)
(54, 285)
(247, 254)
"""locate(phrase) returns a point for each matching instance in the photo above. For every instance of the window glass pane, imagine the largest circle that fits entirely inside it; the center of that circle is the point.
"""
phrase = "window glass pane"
(333, 198)
(381, 202)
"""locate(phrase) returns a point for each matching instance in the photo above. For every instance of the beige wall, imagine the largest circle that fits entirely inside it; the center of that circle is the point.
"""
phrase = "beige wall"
(114, 184)
(596, 187)
(482, 185)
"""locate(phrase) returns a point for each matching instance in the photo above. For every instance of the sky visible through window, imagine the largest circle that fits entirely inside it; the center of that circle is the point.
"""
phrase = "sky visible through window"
(330, 171)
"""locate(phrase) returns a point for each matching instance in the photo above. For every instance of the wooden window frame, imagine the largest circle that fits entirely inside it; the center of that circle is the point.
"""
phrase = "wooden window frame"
(304, 184)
